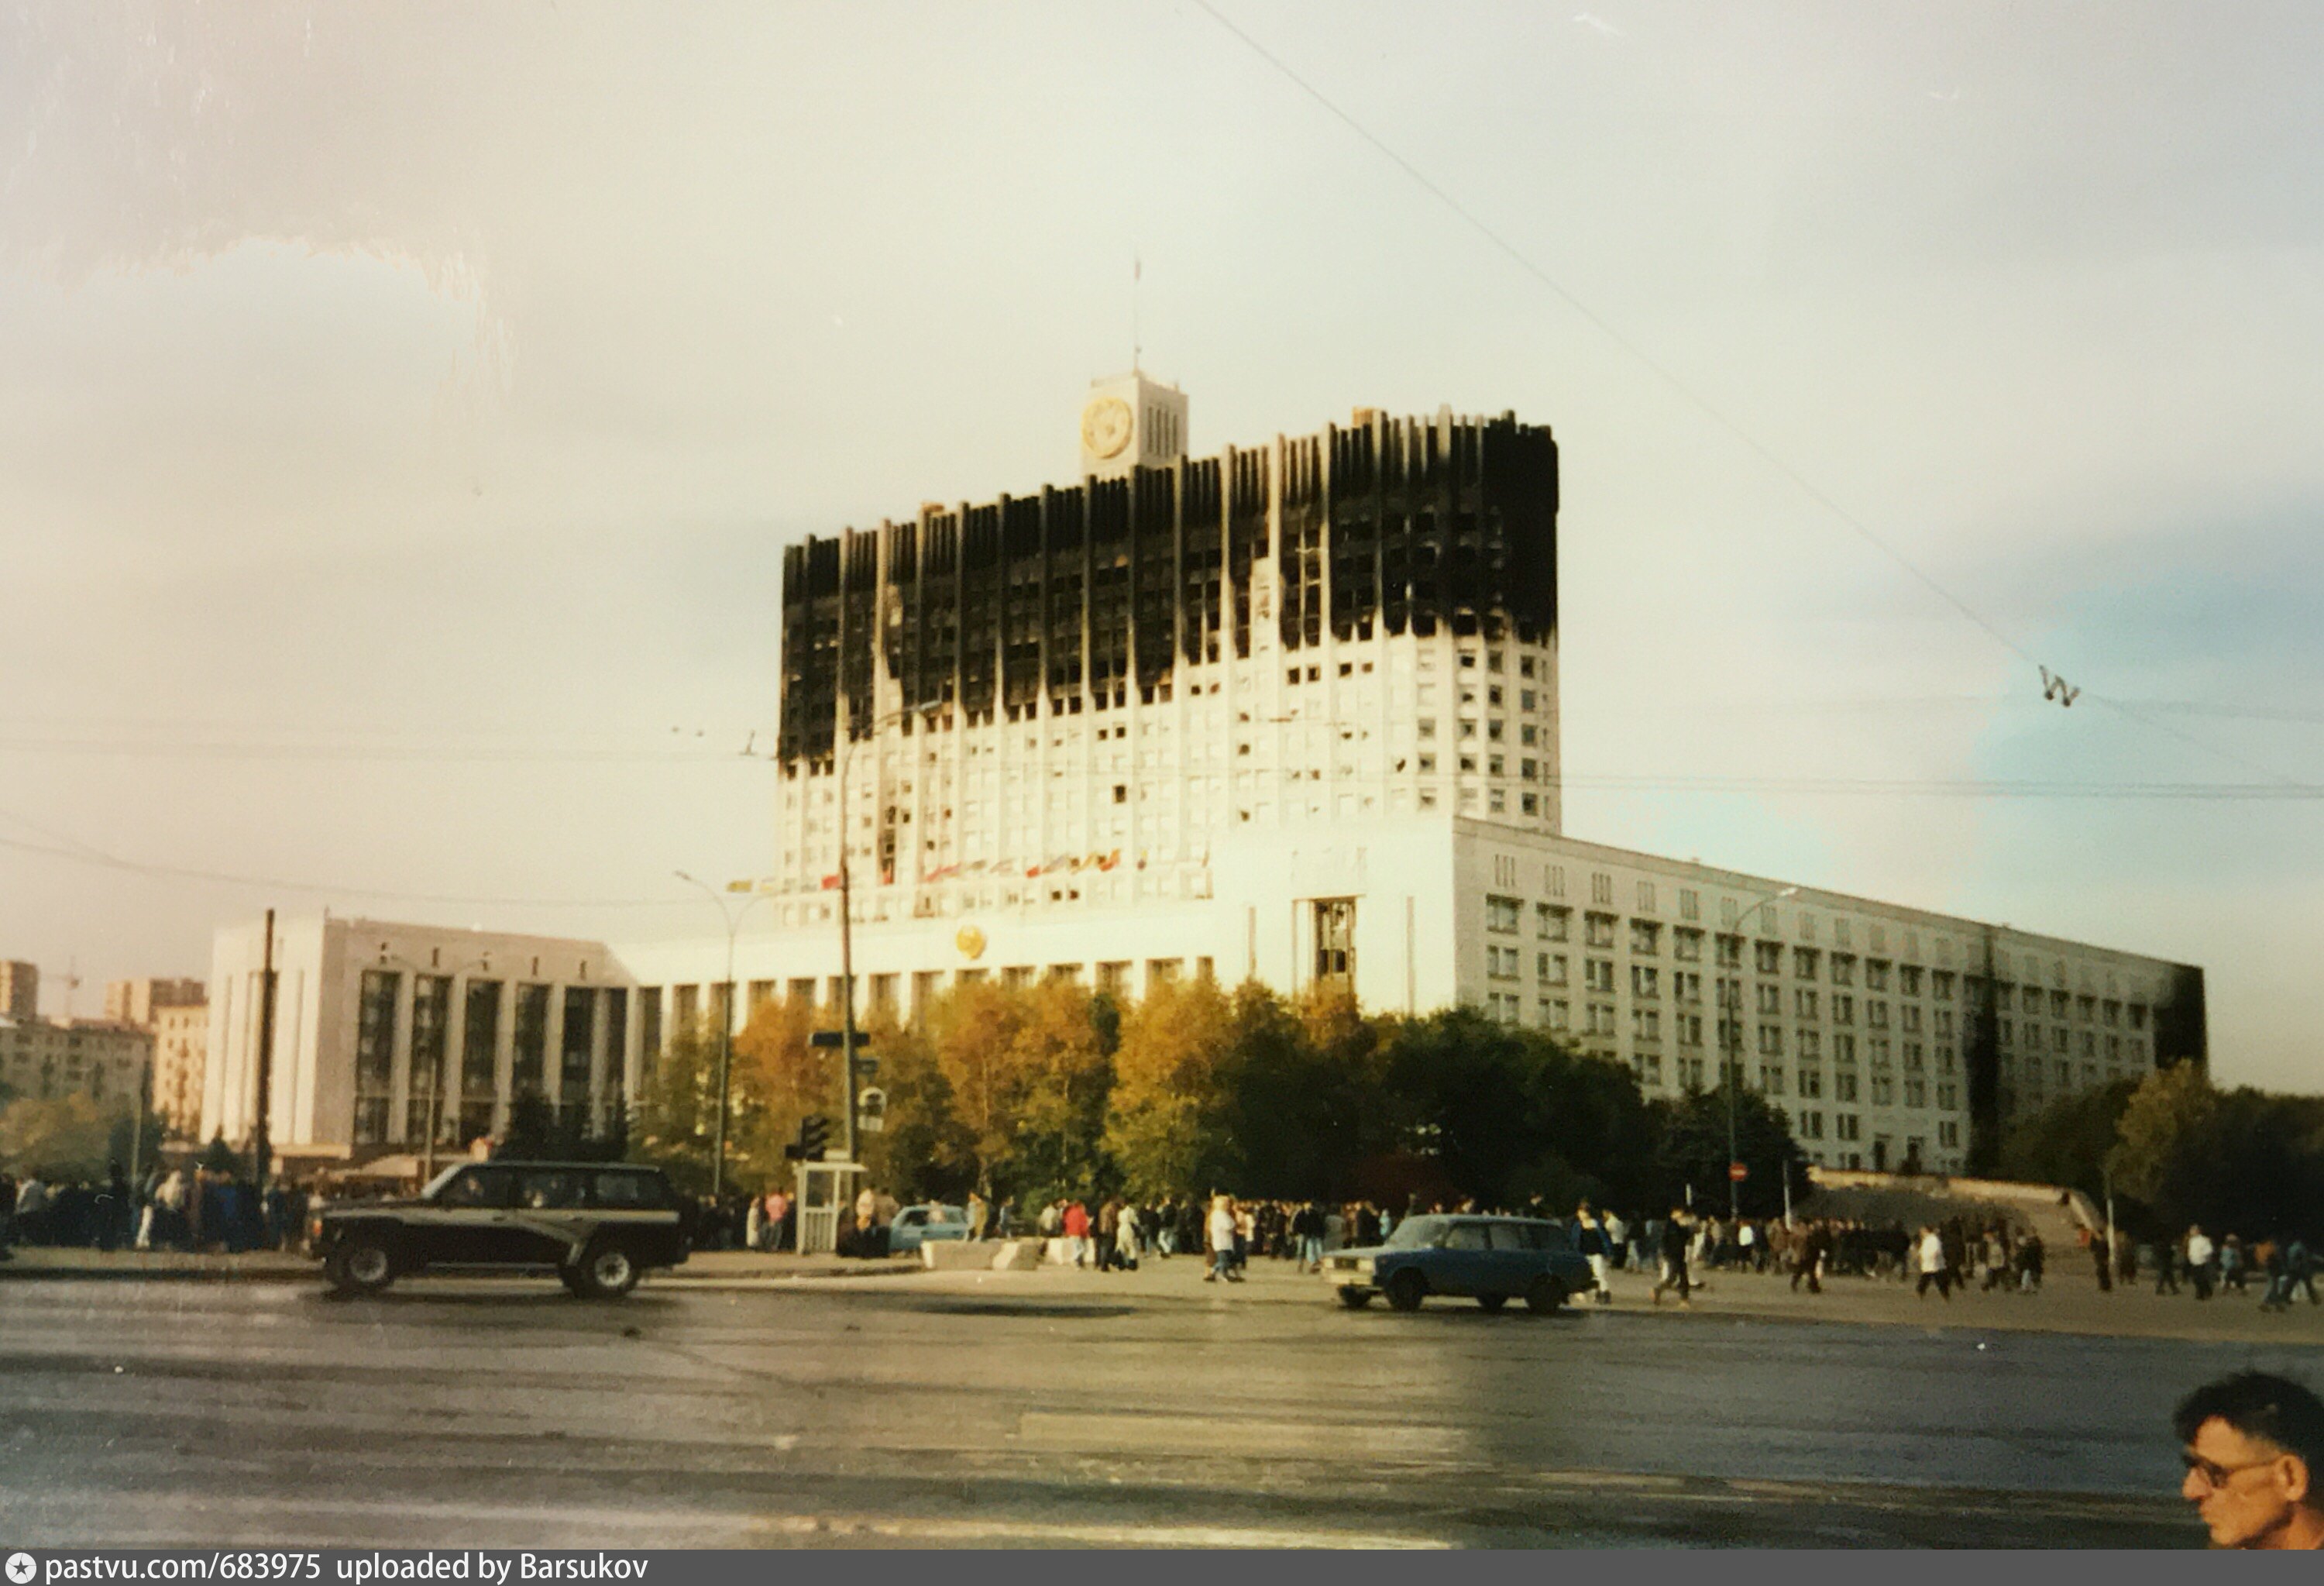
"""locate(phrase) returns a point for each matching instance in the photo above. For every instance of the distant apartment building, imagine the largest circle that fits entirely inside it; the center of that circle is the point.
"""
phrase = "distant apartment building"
(137, 1002)
(20, 989)
(181, 1055)
(173, 1012)
(48, 1059)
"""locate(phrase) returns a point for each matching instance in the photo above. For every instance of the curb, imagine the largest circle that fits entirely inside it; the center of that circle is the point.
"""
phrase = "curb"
(306, 1271)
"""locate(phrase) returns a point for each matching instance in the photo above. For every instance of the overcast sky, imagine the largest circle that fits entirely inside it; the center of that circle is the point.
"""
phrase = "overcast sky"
(403, 410)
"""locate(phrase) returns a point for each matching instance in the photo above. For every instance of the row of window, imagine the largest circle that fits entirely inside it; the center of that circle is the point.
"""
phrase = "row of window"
(1504, 916)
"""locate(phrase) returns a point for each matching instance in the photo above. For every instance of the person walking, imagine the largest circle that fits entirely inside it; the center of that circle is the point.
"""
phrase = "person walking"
(1109, 1230)
(1220, 1228)
(980, 1214)
(1934, 1268)
(1808, 1252)
(2166, 1268)
(2234, 1264)
(1126, 1224)
(2299, 1269)
(2200, 1253)
(1590, 1241)
(1993, 1259)
(1678, 1237)
(1307, 1234)
(2277, 1297)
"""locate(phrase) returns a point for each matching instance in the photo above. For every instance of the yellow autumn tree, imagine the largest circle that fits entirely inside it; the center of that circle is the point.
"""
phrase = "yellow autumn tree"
(778, 1078)
(1168, 1127)
(1029, 1069)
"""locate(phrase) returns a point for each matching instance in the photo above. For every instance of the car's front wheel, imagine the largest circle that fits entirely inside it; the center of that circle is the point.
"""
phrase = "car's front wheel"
(606, 1272)
(360, 1264)
(1546, 1296)
(1355, 1299)
(1406, 1289)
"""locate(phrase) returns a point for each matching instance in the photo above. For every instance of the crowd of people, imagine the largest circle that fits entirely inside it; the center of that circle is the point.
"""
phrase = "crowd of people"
(182, 1208)
(201, 1209)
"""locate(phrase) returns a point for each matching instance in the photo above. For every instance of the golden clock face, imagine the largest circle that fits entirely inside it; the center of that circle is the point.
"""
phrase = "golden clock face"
(1105, 426)
(970, 941)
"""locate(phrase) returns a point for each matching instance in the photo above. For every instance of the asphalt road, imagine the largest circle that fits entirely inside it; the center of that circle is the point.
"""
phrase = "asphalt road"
(914, 1412)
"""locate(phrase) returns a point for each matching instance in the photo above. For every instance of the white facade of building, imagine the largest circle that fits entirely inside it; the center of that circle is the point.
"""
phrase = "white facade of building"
(366, 1011)
(1859, 1019)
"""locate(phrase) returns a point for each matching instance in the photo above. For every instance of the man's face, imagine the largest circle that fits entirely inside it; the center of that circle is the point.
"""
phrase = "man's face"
(2247, 1490)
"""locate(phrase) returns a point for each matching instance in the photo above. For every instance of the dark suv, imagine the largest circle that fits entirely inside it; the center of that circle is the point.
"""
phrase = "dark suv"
(597, 1225)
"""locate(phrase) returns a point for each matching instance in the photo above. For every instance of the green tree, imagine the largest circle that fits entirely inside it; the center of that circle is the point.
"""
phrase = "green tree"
(1302, 1079)
(60, 1139)
(2164, 1137)
(1693, 1152)
(2239, 1161)
(2067, 1141)
(127, 1143)
(220, 1158)
(1508, 1114)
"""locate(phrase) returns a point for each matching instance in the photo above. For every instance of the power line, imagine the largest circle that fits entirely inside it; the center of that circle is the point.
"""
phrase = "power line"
(1966, 788)
(81, 853)
(423, 754)
(1695, 399)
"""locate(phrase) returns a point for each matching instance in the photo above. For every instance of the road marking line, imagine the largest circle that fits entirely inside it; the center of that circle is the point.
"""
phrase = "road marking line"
(291, 1512)
(1249, 1439)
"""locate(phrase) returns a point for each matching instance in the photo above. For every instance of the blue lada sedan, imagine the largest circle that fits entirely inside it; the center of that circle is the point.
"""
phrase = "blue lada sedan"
(1490, 1259)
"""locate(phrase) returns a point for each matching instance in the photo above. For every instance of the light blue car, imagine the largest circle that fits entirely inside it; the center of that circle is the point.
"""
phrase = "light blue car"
(1490, 1259)
(926, 1224)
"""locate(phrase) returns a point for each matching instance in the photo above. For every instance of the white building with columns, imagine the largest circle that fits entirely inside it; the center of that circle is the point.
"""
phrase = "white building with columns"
(386, 1032)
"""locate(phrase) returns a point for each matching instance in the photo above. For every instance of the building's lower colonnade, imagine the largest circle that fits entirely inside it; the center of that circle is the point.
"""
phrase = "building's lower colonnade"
(1887, 1035)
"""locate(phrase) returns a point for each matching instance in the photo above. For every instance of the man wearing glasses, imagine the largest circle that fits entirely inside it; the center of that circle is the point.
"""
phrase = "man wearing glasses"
(2253, 1442)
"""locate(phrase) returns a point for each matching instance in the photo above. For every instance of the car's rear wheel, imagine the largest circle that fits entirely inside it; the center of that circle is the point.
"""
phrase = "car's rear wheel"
(1546, 1296)
(360, 1264)
(1355, 1299)
(1406, 1289)
(607, 1272)
(1492, 1302)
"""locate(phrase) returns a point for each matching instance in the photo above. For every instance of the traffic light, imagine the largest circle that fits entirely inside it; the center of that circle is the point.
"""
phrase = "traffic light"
(814, 1135)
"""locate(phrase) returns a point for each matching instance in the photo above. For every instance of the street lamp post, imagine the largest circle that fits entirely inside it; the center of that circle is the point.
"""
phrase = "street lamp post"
(734, 919)
(1734, 1075)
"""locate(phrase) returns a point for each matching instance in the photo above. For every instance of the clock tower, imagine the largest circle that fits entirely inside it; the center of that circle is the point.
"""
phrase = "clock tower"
(1130, 421)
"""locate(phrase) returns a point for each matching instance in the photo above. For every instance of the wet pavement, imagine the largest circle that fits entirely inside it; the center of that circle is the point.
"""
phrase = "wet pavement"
(922, 1412)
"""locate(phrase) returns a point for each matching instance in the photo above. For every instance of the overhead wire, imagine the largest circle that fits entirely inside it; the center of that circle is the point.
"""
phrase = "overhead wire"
(1695, 399)
(81, 854)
